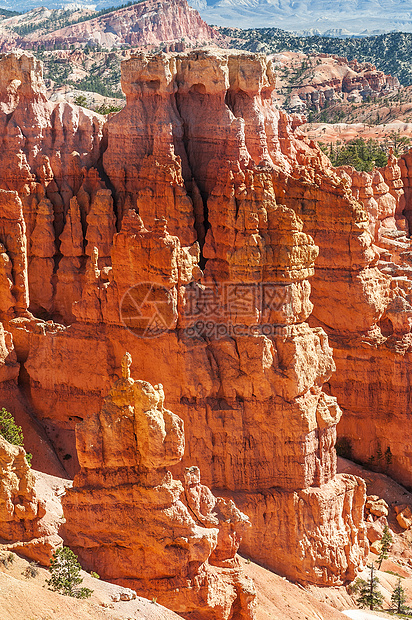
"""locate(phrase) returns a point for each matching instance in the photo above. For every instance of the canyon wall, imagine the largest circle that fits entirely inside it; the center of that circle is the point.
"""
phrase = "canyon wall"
(185, 230)
(373, 354)
(200, 231)
(361, 292)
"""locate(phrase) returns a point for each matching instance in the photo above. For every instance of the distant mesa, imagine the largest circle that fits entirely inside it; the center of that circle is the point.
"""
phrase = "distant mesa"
(140, 24)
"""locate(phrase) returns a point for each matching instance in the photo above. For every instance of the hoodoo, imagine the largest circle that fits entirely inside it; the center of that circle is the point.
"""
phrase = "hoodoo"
(126, 516)
(24, 526)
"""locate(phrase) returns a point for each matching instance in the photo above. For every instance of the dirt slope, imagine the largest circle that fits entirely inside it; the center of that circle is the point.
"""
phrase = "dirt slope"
(24, 598)
(278, 599)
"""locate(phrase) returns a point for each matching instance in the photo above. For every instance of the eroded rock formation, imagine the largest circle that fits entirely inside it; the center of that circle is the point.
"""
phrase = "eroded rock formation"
(372, 343)
(220, 247)
(207, 284)
(210, 511)
(125, 516)
(328, 78)
(46, 149)
(22, 524)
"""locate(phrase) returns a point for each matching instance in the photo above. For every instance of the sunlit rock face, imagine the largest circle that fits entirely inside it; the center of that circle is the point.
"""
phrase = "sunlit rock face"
(198, 230)
(24, 525)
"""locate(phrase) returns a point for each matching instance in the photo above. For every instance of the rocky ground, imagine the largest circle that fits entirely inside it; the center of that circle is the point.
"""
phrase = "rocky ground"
(331, 87)
(360, 614)
(395, 106)
(331, 133)
(278, 599)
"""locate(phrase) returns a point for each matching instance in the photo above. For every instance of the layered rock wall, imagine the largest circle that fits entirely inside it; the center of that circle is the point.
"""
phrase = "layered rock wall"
(145, 24)
(48, 151)
(200, 231)
(372, 345)
(206, 283)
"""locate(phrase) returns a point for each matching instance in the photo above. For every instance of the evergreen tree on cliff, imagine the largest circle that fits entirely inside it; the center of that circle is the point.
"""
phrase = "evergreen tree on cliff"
(65, 574)
(369, 595)
(398, 598)
(386, 542)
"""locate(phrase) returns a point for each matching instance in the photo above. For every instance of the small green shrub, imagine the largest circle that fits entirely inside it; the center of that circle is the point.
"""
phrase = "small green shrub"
(6, 560)
(81, 100)
(30, 571)
(11, 431)
(108, 109)
(380, 461)
(65, 574)
(95, 575)
(391, 572)
(388, 456)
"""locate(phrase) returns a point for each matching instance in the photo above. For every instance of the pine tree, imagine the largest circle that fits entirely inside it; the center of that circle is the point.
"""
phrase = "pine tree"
(398, 598)
(65, 574)
(386, 542)
(369, 595)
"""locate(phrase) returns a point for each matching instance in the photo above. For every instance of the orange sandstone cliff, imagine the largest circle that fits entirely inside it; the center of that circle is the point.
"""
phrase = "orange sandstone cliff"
(368, 319)
(24, 526)
(198, 230)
